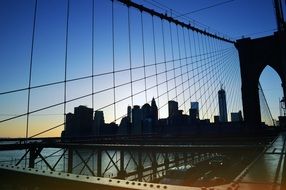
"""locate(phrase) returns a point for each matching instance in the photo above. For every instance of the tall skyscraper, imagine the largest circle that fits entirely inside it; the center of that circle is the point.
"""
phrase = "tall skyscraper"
(154, 111)
(194, 111)
(137, 119)
(80, 123)
(173, 108)
(146, 111)
(98, 121)
(222, 105)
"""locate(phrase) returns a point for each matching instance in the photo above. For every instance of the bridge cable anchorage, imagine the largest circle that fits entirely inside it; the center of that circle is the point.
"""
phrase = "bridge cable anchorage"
(130, 3)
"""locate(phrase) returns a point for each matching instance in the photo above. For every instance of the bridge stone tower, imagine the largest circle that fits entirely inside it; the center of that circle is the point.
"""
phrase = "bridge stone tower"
(255, 55)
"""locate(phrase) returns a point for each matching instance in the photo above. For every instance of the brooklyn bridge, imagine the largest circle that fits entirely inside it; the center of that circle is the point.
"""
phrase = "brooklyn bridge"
(130, 94)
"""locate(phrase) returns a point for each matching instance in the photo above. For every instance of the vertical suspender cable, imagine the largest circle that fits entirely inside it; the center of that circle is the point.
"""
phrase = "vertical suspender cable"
(217, 70)
(113, 61)
(31, 65)
(187, 64)
(92, 56)
(144, 59)
(66, 58)
(199, 68)
(201, 80)
(226, 68)
(181, 70)
(219, 50)
(165, 60)
(155, 56)
(213, 92)
(196, 61)
(173, 60)
(130, 54)
(211, 84)
(205, 69)
(192, 64)
(212, 72)
(234, 94)
(230, 90)
(238, 101)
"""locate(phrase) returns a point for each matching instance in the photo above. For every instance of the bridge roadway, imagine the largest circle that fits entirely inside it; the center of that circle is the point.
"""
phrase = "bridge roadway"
(135, 142)
(267, 171)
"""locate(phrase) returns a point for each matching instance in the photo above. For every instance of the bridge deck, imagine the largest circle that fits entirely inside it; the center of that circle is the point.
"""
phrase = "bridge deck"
(266, 172)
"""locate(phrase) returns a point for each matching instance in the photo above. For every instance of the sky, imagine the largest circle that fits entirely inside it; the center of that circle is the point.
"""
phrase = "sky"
(233, 19)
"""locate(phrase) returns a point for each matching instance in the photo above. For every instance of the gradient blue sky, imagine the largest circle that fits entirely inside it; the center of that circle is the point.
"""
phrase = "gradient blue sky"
(234, 19)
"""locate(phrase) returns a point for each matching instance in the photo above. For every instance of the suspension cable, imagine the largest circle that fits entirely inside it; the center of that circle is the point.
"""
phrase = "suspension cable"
(31, 65)
(66, 58)
(130, 54)
(143, 51)
(92, 56)
(155, 58)
(113, 61)
(173, 58)
(165, 59)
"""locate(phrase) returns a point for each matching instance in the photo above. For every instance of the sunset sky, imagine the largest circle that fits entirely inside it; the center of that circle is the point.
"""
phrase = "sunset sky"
(232, 19)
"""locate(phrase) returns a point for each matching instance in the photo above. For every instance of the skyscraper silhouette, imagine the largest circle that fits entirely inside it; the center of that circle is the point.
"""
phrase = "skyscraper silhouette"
(222, 105)
(154, 112)
(173, 108)
(137, 119)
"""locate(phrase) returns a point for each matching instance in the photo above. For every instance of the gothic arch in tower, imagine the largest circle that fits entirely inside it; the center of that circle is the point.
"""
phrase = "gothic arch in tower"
(255, 55)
